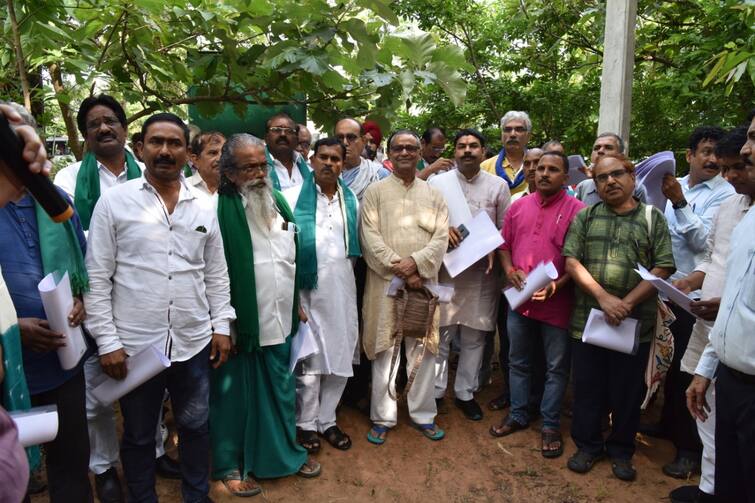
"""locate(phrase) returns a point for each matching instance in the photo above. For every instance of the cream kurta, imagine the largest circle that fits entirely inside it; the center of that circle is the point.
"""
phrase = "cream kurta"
(476, 294)
(332, 306)
(396, 222)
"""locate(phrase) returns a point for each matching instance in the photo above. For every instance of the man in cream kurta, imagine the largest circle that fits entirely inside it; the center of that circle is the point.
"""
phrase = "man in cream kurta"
(327, 217)
(404, 233)
(474, 306)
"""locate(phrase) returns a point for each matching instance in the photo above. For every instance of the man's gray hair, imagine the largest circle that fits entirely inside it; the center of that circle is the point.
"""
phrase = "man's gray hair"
(619, 139)
(228, 154)
(516, 115)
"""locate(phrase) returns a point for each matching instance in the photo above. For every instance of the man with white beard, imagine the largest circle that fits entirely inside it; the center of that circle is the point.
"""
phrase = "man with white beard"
(253, 397)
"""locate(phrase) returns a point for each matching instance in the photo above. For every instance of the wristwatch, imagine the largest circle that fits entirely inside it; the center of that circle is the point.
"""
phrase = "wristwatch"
(681, 204)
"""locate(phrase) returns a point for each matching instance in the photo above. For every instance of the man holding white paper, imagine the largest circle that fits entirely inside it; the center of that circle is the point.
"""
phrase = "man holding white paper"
(158, 277)
(253, 397)
(604, 244)
(472, 310)
(326, 212)
(534, 231)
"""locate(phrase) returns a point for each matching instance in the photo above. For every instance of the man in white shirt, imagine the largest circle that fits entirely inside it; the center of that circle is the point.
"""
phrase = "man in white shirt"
(693, 202)
(102, 122)
(158, 278)
(205, 156)
(730, 356)
(326, 213)
(253, 397)
(286, 167)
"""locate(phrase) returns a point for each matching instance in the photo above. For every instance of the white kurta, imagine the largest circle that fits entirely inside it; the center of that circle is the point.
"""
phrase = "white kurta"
(332, 306)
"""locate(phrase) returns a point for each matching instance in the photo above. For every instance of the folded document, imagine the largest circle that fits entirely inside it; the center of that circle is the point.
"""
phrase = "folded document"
(623, 338)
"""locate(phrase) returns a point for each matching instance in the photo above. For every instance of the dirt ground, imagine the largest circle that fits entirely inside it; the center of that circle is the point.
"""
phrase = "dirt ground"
(467, 466)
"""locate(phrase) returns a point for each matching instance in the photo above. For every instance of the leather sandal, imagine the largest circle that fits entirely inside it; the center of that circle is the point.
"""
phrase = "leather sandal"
(506, 427)
(337, 438)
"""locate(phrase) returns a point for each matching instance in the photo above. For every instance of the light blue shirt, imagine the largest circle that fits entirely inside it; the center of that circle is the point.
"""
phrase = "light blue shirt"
(731, 339)
(689, 226)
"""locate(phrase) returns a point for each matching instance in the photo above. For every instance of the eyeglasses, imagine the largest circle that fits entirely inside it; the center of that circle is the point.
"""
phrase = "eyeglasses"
(347, 138)
(397, 149)
(518, 129)
(251, 168)
(282, 130)
(305, 144)
(615, 174)
(110, 122)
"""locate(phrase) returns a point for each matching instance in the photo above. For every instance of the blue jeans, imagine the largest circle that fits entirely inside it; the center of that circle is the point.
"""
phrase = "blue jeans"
(188, 383)
(523, 334)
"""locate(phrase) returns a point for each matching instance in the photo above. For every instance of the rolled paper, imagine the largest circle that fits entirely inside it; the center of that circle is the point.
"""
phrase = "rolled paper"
(141, 367)
(57, 301)
(37, 425)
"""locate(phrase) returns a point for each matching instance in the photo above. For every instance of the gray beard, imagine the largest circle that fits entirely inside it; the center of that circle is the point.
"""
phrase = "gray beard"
(259, 204)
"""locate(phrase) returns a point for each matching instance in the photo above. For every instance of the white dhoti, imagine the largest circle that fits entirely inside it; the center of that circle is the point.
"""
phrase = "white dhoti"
(472, 346)
(103, 439)
(383, 409)
(317, 397)
(707, 431)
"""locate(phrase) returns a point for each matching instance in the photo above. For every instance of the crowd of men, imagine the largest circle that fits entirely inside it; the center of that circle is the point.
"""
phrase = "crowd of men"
(219, 250)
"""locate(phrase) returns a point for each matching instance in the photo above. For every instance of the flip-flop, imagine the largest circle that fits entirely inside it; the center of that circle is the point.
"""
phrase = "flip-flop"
(377, 428)
(243, 494)
(337, 438)
(310, 469)
(431, 431)
(549, 437)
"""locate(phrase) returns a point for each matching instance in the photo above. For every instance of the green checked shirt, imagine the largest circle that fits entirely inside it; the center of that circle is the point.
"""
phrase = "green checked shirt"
(610, 246)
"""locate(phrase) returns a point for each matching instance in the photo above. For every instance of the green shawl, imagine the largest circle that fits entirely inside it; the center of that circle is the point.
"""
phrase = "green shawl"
(239, 255)
(300, 163)
(306, 206)
(88, 185)
(61, 251)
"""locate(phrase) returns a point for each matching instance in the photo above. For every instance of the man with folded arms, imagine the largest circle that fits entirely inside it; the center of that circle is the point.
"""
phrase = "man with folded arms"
(404, 232)
(158, 277)
(604, 244)
(471, 314)
(730, 357)
(534, 231)
(326, 212)
(253, 397)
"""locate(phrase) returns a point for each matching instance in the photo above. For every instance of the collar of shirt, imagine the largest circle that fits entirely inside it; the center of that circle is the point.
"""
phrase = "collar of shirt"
(544, 202)
(398, 180)
(26, 201)
(184, 193)
(711, 183)
(464, 178)
(196, 180)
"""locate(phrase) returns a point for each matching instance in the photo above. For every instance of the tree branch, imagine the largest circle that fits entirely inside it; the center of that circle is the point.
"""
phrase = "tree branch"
(104, 50)
(20, 61)
(65, 110)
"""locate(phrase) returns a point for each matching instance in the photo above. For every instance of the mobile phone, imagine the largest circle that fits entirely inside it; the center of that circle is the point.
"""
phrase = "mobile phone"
(463, 231)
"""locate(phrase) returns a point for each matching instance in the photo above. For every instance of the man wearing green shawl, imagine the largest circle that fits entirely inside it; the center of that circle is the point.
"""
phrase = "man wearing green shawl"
(325, 210)
(253, 397)
(286, 167)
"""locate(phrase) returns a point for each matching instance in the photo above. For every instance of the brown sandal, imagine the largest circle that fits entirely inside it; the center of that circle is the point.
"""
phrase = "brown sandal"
(506, 427)
(550, 437)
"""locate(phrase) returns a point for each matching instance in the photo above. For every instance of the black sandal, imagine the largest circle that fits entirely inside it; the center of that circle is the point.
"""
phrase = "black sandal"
(337, 438)
(308, 439)
(548, 438)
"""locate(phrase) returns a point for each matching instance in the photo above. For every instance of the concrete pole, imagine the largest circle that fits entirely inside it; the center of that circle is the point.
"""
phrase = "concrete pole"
(618, 64)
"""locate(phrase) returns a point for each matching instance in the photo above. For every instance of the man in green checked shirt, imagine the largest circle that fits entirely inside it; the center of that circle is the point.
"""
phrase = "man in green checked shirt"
(605, 243)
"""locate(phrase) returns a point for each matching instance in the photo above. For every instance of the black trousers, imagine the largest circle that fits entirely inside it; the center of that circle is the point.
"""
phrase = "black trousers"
(676, 421)
(358, 386)
(735, 437)
(67, 457)
(607, 381)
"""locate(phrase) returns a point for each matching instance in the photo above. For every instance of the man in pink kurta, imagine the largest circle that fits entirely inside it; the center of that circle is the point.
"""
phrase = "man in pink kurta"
(534, 230)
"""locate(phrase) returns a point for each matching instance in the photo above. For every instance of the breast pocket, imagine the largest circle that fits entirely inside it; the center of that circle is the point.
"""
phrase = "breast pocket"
(426, 219)
(190, 246)
(284, 246)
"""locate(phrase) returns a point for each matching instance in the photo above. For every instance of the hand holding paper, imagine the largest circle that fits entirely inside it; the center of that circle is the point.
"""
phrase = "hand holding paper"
(303, 345)
(623, 337)
(537, 279)
(58, 302)
(674, 294)
(142, 367)
(483, 238)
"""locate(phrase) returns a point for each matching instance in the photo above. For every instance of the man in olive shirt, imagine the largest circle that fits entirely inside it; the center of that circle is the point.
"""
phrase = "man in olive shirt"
(605, 243)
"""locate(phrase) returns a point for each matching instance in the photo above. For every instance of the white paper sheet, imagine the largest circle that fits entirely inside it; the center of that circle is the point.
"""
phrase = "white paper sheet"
(57, 300)
(303, 345)
(538, 278)
(623, 338)
(650, 173)
(670, 291)
(576, 175)
(448, 185)
(37, 425)
(142, 366)
(483, 238)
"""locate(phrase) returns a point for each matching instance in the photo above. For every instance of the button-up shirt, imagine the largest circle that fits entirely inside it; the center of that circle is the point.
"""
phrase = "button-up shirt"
(689, 226)
(713, 264)
(534, 231)
(274, 252)
(286, 180)
(197, 182)
(66, 177)
(156, 278)
(21, 262)
(731, 339)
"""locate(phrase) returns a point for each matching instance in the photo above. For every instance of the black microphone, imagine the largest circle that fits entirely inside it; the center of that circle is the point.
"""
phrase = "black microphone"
(40, 186)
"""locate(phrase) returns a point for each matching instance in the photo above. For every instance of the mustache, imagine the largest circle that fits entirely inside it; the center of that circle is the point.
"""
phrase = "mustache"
(165, 160)
(282, 141)
(103, 136)
(710, 165)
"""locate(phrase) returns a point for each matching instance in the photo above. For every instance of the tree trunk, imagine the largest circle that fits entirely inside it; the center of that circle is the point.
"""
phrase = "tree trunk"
(65, 110)
(21, 62)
